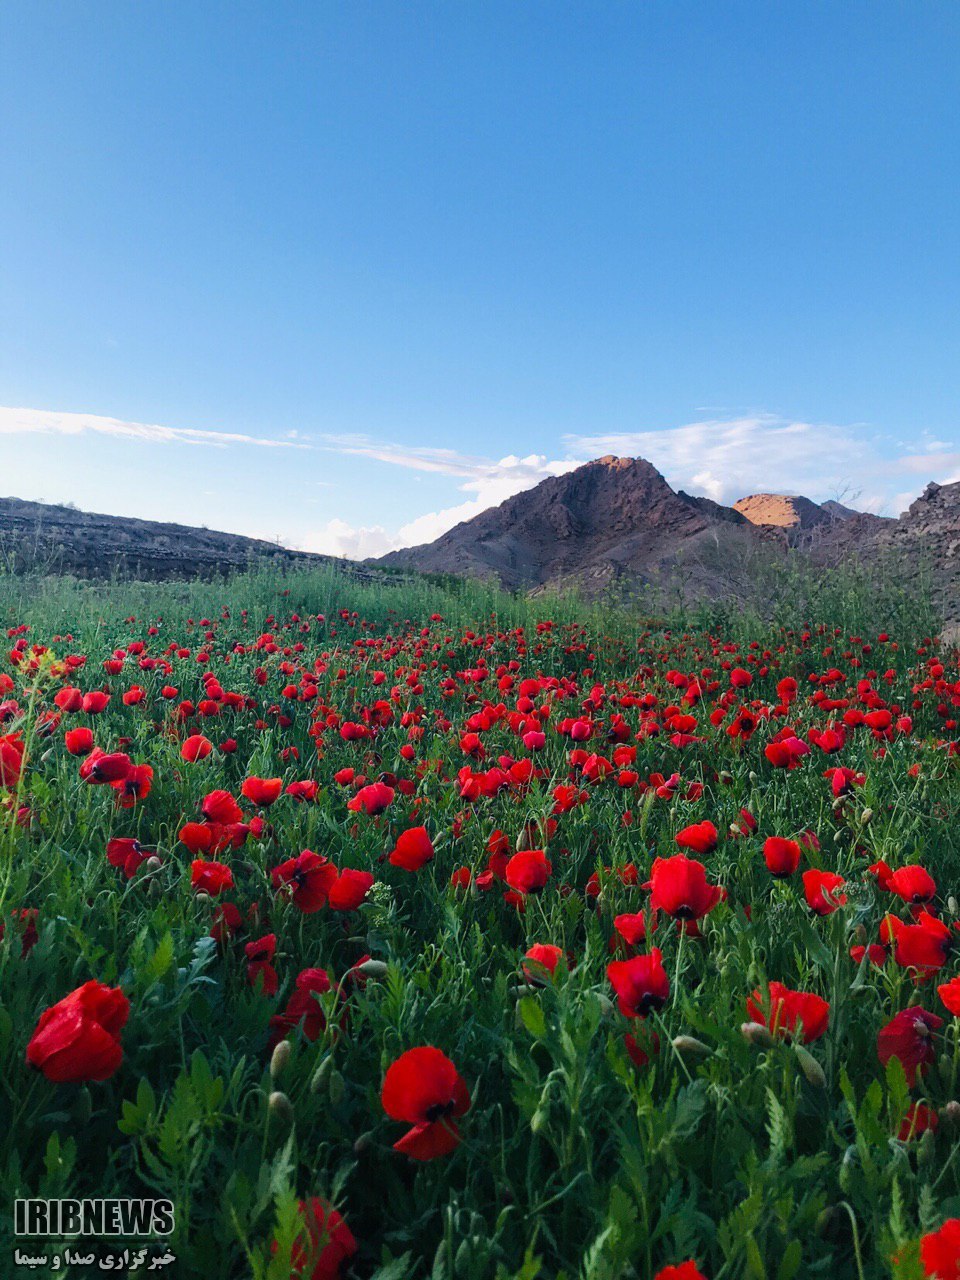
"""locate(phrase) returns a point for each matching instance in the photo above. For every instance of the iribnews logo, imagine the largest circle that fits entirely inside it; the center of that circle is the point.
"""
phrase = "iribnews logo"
(64, 1219)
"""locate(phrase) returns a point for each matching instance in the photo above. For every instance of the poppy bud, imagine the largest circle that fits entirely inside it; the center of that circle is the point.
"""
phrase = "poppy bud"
(539, 1120)
(606, 1007)
(279, 1058)
(828, 1220)
(691, 1045)
(153, 863)
(335, 1087)
(752, 776)
(757, 1034)
(950, 1114)
(361, 1144)
(373, 968)
(810, 1067)
(320, 1074)
(280, 1107)
(866, 816)
(952, 906)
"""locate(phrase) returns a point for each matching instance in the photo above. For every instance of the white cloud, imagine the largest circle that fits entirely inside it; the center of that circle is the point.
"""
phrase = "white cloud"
(490, 482)
(18, 421)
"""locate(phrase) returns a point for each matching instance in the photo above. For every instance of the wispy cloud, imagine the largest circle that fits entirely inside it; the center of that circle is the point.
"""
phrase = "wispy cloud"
(489, 482)
(18, 421)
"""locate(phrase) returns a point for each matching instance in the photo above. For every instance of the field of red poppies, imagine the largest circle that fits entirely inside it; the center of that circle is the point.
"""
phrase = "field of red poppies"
(408, 931)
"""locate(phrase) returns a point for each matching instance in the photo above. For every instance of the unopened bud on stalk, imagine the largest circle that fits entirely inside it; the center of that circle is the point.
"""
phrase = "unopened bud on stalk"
(752, 776)
(757, 1034)
(952, 905)
(606, 1008)
(838, 837)
(866, 816)
(280, 1107)
(945, 1067)
(374, 968)
(361, 1144)
(279, 1059)
(950, 1114)
(320, 1074)
(539, 1120)
(203, 897)
(828, 1220)
(336, 1087)
(810, 1067)
(691, 1045)
(152, 864)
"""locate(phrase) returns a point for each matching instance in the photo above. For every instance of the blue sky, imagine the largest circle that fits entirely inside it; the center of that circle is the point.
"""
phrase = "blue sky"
(342, 273)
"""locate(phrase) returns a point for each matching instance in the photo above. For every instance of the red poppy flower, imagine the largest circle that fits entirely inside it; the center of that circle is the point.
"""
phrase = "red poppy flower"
(78, 1038)
(210, 877)
(220, 806)
(684, 1271)
(782, 856)
(641, 984)
(819, 889)
(679, 887)
(308, 878)
(413, 849)
(261, 791)
(918, 1120)
(940, 1252)
(79, 742)
(544, 961)
(372, 800)
(632, 927)
(528, 871)
(908, 1036)
(641, 1049)
(349, 889)
(260, 971)
(424, 1089)
(949, 993)
(790, 1010)
(913, 884)
(134, 786)
(923, 946)
(127, 855)
(103, 767)
(701, 838)
(324, 1244)
(302, 1009)
(196, 747)
(304, 790)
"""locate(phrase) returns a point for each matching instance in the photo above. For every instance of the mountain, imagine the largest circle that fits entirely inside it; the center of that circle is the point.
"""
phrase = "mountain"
(783, 511)
(616, 523)
(53, 539)
(612, 519)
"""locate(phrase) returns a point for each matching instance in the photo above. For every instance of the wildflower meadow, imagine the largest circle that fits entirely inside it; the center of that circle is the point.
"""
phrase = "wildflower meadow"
(408, 929)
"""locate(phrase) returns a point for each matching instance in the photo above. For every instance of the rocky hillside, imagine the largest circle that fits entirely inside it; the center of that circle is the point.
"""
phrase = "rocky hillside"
(613, 519)
(617, 523)
(37, 536)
